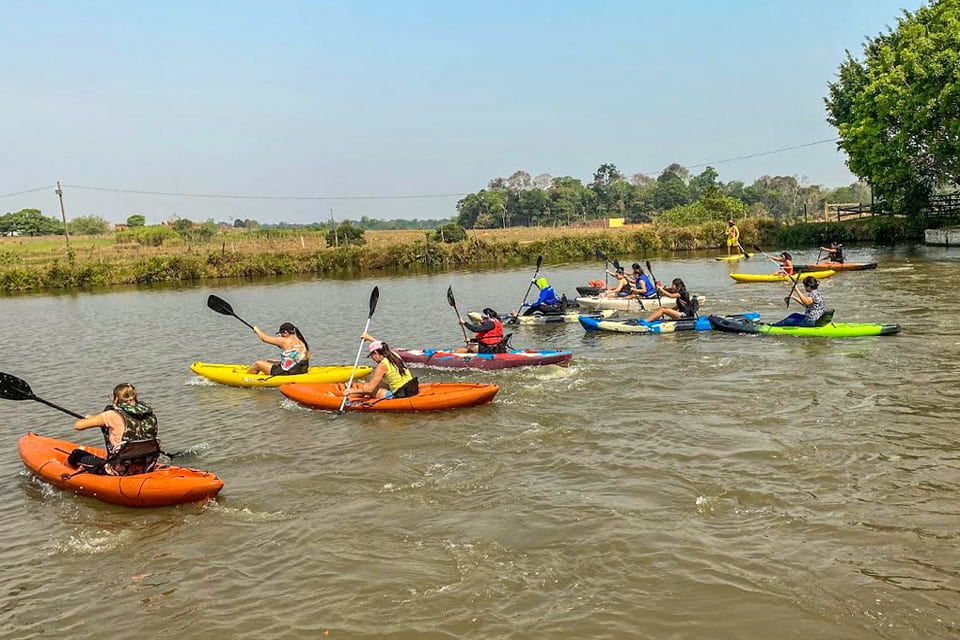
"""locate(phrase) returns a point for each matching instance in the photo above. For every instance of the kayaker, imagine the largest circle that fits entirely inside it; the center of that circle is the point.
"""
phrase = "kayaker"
(813, 304)
(390, 379)
(642, 285)
(124, 420)
(622, 288)
(685, 307)
(294, 352)
(733, 236)
(835, 253)
(786, 263)
(489, 330)
(546, 303)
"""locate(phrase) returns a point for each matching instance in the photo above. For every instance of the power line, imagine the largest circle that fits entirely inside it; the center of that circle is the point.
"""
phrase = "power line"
(374, 197)
(18, 193)
(762, 153)
(259, 197)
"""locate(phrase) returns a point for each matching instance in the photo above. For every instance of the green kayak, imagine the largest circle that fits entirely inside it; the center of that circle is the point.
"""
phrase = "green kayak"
(827, 330)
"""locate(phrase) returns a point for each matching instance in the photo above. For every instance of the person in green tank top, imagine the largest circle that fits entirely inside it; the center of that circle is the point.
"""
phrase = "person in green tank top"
(390, 379)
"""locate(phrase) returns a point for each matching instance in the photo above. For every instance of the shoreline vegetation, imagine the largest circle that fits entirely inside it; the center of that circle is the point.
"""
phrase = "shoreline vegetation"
(43, 263)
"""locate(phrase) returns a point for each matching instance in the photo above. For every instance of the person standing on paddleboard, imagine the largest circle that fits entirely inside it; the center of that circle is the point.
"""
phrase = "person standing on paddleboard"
(733, 237)
(813, 304)
(294, 352)
(390, 379)
(124, 420)
(489, 330)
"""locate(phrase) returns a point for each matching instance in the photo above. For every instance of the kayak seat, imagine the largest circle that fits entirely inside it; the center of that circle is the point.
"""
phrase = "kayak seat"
(825, 319)
(132, 458)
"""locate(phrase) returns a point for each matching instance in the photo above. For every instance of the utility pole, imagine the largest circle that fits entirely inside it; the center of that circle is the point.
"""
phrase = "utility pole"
(63, 214)
(333, 225)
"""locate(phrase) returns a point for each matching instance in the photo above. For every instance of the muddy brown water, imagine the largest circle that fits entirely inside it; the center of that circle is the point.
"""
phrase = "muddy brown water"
(673, 486)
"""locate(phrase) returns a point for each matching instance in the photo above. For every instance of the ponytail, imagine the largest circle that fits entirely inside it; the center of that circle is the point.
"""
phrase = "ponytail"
(301, 339)
(393, 357)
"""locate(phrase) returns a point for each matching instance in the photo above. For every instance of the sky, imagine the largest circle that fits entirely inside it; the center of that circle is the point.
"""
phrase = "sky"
(348, 100)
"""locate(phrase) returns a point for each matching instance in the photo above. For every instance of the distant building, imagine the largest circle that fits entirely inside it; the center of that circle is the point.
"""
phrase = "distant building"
(11, 234)
(120, 226)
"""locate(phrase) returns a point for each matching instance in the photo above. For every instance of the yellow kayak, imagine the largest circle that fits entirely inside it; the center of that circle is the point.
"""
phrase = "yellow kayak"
(734, 257)
(779, 277)
(235, 375)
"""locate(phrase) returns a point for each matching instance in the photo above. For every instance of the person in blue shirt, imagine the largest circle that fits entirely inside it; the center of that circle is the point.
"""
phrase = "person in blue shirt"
(642, 284)
(548, 302)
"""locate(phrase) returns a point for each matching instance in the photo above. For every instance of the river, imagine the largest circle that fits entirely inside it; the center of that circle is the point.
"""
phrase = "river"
(673, 486)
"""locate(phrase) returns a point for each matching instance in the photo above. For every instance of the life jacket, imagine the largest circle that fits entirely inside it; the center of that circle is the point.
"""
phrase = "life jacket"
(494, 336)
(838, 254)
(139, 423)
(650, 292)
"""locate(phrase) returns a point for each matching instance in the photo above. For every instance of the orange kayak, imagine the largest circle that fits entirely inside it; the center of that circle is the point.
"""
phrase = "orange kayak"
(165, 485)
(432, 397)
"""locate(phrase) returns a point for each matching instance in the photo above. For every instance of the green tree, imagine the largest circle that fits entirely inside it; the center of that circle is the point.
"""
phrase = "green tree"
(345, 233)
(136, 220)
(898, 110)
(88, 226)
(700, 183)
(448, 233)
(30, 222)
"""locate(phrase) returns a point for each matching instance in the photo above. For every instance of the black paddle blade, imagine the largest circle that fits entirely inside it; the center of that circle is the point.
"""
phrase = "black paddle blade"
(450, 299)
(616, 263)
(220, 305)
(13, 388)
(539, 262)
(374, 298)
(601, 255)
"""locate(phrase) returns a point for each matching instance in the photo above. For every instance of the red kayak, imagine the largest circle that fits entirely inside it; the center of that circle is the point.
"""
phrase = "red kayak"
(431, 397)
(449, 359)
(165, 485)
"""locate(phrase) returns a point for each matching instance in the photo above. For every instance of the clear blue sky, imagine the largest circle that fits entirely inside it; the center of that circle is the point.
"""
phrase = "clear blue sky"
(354, 98)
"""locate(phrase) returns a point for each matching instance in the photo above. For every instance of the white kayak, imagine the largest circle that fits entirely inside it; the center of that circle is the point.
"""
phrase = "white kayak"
(629, 305)
(539, 318)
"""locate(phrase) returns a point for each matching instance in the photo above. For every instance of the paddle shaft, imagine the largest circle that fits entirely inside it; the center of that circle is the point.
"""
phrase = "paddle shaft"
(355, 364)
(530, 286)
(655, 288)
(453, 304)
(76, 415)
(779, 265)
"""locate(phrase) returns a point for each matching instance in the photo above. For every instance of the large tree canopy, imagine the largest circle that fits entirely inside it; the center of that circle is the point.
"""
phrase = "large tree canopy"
(898, 110)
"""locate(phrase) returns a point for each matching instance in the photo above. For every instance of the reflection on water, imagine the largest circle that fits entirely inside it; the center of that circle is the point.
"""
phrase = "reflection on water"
(661, 486)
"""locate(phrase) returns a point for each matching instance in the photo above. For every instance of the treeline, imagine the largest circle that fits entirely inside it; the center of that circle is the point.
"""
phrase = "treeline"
(675, 196)
(32, 222)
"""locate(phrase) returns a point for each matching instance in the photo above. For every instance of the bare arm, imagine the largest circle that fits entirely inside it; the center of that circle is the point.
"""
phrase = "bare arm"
(90, 422)
(368, 387)
(276, 341)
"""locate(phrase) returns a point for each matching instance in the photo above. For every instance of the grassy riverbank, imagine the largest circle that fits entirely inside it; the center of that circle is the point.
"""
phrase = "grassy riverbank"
(30, 264)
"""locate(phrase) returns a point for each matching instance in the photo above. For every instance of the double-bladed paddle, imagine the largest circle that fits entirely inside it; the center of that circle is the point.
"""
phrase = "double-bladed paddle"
(374, 297)
(530, 286)
(220, 305)
(655, 288)
(14, 388)
(453, 303)
(780, 268)
(602, 256)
